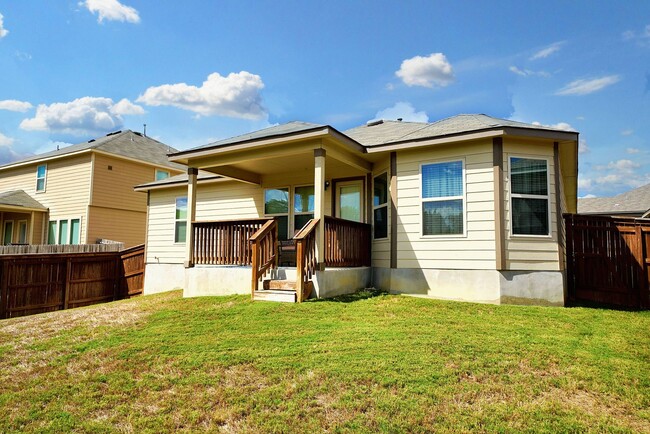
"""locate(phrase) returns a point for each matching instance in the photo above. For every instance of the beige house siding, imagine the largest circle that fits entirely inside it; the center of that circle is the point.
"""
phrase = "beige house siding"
(530, 252)
(38, 228)
(476, 249)
(121, 225)
(67, 189)
(381, 248)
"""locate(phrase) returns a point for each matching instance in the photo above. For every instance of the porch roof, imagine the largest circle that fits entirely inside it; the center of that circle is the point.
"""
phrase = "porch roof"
(19, 200)
(179, 180)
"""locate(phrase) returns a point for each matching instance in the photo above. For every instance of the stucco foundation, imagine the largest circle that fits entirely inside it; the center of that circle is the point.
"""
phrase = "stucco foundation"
(338, 281)
(163, 277)
(217, 280)
(482, 286)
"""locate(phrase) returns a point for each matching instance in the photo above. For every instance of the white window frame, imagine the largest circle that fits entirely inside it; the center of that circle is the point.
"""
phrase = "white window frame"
(462, 197)
(292, 230)
(176, 220)
(288, 214)
(56, 232)
(156, 171)
(530, 196)
(383, 205)
(4, 231)
(26, 231)
(44, 179)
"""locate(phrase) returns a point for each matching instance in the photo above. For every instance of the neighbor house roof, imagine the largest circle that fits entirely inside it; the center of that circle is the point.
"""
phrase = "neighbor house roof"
(179, 180)
(20, 199)
(125, 143)
(634, 202)
(383, 132)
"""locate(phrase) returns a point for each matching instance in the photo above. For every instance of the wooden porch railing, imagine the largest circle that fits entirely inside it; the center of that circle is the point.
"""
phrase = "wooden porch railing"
(347, 243)
(264, 249)
(305, 259)
(224, 242)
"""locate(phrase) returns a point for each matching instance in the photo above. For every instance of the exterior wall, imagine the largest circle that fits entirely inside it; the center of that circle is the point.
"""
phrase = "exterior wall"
(163, 278)
(67, 190)
(530, 252)
(121, 225)
(34, 234)
(473, 251)
(38, 228)
(381, 247)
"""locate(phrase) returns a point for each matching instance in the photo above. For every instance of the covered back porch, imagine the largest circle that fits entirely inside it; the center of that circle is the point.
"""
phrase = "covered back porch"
(314, 210)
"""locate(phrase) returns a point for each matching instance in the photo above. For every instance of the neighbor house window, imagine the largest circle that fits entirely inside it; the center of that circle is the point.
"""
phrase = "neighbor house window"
(51, 232)
(276, 204)
(22, 232)
(443, 200)
(380, 206)
(303, 206)
(161, 174)
(65, 231)
(41, 173)
(529, 196)
(75, 230)
(8, 233)
(180, 224)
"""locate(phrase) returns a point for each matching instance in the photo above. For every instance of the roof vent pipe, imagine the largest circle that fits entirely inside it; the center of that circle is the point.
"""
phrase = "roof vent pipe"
(375, 122)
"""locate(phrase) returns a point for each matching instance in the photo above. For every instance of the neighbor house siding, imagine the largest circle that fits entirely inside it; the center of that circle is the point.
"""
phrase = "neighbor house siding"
(37, 227)
(474, 250)
(120, 225)
(67, 190)
(530, 252)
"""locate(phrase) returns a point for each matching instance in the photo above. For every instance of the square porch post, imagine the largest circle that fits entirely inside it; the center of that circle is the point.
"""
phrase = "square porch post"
(319, 205)
(192, 172)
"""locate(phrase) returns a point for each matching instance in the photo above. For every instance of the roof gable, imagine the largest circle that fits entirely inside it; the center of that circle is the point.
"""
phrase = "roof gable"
(18, 198)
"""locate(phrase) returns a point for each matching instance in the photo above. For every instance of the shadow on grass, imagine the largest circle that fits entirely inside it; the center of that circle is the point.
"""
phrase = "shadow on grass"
(362, 294)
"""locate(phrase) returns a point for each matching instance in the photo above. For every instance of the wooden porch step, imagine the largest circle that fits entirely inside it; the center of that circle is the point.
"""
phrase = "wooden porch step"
(287, 285)
(285, 296)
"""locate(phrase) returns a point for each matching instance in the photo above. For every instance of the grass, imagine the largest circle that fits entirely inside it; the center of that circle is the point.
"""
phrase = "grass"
(364, 363)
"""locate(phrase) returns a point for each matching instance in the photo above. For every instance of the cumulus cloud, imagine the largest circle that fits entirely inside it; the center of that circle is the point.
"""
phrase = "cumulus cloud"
(641, 36)
(7, 151)
(528, 72)
(559, 126)
(111, 10)
(584, 183)
(588, 196)
(5, 141)
(237, 95)
(624, 166)
(547, 51)
(430, 71)
(3, 32)
(14, 105)
(80, 117)
(403, 110)
(633, 150)
(587, 86)
(583, 148)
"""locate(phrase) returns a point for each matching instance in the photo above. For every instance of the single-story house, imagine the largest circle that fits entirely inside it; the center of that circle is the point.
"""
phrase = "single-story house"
(466, 208)
(633, 203)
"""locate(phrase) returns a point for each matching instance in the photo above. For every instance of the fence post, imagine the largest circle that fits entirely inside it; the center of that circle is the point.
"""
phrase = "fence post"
(639, 256)
(3, 291)
(68, 278)
(570, 265)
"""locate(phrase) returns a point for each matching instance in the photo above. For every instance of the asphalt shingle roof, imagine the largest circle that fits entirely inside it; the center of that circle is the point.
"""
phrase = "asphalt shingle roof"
(397, 131)
(21, 199)
(124, 143)
(635, 201)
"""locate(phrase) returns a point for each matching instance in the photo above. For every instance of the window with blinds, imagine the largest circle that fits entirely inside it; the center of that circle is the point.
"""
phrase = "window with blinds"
(443, 198)
(529, 196)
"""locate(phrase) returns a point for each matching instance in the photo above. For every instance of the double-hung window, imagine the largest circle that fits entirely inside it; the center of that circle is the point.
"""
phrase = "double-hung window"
(443, 198)
(303, 206)
(41, 174)
(276, 204)
(529, 196)
(380, 206)
(180, 220)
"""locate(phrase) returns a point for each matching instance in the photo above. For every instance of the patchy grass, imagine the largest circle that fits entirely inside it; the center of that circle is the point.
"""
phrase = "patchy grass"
(364, 363)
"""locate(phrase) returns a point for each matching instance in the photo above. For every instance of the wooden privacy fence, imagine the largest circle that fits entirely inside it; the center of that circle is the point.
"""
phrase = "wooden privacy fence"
(608, 260)
(31, 284)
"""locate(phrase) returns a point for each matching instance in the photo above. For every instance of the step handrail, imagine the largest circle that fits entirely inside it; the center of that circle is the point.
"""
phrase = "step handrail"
(305, 241)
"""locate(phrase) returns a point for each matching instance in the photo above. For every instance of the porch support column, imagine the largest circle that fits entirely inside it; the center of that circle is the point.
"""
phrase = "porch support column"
(192, 172)
(319, 205)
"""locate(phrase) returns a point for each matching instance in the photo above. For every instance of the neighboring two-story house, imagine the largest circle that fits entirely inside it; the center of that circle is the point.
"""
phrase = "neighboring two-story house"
(82, 193)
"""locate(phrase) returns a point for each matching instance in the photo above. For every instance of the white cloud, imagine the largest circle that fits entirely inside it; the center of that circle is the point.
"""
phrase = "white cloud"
(14, 105)
(111, 10)
(633, 151)
(628, 132)
(126, 107)
(3, 32)
(83, 116)
(588, 196)
(583, 148)
(430, 71)
(584, 183)
(559, 126)
(528, 72)
(547, 51)
(237, 95)
(403, 110)
(23, 56)
(642, 37)
(5, 141)
(623, 166)
(585, 87)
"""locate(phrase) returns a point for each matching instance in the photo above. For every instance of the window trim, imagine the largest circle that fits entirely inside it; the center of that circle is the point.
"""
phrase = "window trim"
(4, 232)
(155, 174)
(511, 234)
(44, 179)
(176, 220)
(382, 205)
(463, 197)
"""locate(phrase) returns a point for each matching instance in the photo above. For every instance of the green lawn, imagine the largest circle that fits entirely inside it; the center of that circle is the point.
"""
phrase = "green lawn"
(368, 363)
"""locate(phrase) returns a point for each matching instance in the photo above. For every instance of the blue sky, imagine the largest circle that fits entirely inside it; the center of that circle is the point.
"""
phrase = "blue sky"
(197, 71)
